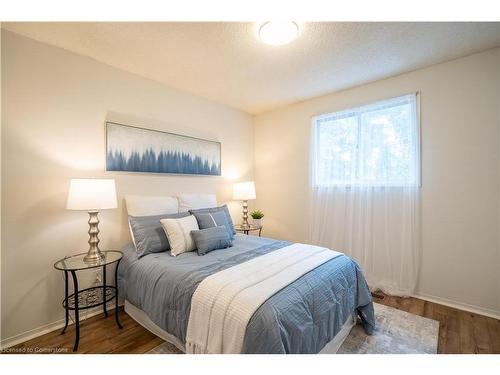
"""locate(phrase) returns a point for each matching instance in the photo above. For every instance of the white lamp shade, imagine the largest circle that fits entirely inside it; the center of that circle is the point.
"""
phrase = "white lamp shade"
(91, 194)
(243, 191)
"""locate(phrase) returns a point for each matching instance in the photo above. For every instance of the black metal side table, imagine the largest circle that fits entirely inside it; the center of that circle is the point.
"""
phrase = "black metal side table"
(89, 297)
(247, 229)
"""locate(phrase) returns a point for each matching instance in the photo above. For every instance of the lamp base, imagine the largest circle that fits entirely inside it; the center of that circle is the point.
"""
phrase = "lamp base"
(94, 255)
(245, 215)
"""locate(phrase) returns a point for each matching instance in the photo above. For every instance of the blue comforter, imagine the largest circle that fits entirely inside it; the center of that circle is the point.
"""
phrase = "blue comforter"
(301, 318)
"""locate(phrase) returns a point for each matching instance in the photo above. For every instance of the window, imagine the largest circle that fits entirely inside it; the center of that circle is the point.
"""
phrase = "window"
(373, 145)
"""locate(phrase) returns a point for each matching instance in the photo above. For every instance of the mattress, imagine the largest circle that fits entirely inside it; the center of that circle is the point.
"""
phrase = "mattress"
(301, 318)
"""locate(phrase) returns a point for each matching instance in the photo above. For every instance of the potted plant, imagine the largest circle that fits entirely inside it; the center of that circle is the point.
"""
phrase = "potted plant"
(257, 216)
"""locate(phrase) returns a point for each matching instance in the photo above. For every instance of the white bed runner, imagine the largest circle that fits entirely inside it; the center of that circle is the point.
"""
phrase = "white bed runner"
(224, 302)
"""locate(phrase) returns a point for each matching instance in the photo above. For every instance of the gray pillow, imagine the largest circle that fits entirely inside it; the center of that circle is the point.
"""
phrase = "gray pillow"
(210, 239)
(214, 219)
(148, 234)
(223, 209)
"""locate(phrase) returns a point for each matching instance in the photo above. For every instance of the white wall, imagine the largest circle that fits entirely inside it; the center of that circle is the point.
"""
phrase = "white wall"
(0, 182)
(460, 172)
(54, 107)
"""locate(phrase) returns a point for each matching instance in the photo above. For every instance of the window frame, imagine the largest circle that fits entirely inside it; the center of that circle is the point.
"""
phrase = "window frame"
(342, 113)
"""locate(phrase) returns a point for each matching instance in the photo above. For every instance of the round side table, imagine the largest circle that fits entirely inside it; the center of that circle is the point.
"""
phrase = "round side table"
(246, 229)
(89, 297)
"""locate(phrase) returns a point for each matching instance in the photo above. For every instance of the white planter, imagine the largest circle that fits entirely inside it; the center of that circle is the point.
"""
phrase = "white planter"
(257, 222)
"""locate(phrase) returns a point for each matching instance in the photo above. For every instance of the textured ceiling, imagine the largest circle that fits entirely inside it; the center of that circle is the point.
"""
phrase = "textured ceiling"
(226, 62)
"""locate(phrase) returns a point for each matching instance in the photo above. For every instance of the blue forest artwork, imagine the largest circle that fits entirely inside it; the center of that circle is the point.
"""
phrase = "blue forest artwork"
(131, 149)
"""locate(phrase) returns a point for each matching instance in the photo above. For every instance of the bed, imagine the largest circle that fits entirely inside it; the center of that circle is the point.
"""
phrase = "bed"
(313, 314)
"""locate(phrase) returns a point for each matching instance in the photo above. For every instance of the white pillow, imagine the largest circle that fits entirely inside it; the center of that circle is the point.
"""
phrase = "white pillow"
(179, 234)
(138, 205)
(194, 201)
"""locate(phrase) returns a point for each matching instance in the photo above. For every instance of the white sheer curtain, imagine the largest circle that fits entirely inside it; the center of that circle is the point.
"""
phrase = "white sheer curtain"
(365, 190)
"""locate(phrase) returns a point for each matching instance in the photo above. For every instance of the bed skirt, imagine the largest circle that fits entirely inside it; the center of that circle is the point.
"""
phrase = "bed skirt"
(142, 318)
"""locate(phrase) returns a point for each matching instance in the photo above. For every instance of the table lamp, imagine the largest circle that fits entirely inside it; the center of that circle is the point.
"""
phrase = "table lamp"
(244, 191)
(92, 195)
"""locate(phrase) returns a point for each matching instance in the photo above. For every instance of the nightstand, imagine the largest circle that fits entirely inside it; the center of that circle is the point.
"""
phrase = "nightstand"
(89, 297)
(248, 228)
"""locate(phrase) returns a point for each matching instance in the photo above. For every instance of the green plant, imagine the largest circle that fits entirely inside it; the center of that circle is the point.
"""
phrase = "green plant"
(257, 214)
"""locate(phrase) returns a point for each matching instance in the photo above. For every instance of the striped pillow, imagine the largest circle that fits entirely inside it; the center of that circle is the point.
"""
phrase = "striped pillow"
(213, 219)
(222, 209)
(210, 239)
(178, 232)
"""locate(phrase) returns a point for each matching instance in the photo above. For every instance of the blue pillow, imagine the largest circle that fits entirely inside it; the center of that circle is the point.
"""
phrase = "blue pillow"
(210, 239)
(222, 209)
(148, 234)
(214, 219)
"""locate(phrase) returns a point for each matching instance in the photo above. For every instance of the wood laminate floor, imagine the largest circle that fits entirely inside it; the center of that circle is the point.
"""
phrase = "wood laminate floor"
(459, 332)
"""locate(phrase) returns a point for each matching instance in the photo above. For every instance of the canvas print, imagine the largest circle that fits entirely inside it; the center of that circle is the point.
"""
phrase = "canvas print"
(131, 149)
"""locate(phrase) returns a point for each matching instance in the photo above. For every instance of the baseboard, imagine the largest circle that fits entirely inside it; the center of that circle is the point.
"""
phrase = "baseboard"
(459, 305)
(59, 324)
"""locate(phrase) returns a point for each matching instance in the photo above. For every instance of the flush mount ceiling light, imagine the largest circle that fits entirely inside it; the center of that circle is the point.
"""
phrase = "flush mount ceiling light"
(277, 33)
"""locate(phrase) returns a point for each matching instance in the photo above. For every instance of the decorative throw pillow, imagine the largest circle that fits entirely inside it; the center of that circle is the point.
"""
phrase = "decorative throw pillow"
(179, 234)
(223, 209)
(214, 219)
(148, 234)
(211, 239)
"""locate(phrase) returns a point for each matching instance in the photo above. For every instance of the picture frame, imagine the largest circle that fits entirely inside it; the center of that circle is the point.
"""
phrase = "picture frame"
(135, 149)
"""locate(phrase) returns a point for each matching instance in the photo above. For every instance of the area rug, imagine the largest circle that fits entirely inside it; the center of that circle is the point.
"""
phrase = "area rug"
(396, 332)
